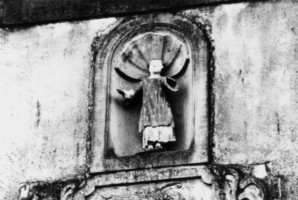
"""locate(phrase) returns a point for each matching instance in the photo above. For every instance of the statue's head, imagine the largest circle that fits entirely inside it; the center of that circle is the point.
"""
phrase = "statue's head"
(155, 66)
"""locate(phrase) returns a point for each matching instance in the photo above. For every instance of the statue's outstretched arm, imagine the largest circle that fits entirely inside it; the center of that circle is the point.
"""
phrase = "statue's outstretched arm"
(129, 94)
(127, 77)
(171, 84)
(183, 69)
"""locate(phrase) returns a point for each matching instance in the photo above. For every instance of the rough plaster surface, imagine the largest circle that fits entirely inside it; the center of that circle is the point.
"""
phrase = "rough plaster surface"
(255, 82)
(44, 85)
(256, 87)
(44, 77)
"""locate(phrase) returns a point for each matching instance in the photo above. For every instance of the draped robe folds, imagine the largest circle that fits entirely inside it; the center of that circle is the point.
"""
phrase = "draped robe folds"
(156, 119)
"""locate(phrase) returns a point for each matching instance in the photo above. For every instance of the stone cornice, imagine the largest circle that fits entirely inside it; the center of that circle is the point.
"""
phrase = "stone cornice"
(21, 12)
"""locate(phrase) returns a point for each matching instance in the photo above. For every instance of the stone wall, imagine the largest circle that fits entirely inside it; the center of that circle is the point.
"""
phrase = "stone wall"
(44, 102)
(44, 82)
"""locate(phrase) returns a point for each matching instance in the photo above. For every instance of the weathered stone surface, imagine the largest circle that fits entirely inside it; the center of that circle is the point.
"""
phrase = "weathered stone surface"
(183, 189)
(255, 82)
(256, 87)
(44, 102)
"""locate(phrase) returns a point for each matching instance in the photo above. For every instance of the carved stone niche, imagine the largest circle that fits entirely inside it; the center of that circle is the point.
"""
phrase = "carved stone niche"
(182, 45)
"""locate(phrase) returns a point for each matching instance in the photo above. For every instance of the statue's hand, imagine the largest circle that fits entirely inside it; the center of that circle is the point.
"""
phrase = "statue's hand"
(121, 92)
(27, 192)
(128, 94)
(24, 192)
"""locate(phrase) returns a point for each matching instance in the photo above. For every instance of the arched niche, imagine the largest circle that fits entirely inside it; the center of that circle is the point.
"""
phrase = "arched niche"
(115, 141)
(132, 57)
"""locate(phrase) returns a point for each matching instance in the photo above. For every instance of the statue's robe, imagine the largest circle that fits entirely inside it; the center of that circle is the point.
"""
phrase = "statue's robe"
(156, 119)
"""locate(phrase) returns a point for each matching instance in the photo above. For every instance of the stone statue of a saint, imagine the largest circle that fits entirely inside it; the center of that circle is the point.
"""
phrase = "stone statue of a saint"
(156, 121)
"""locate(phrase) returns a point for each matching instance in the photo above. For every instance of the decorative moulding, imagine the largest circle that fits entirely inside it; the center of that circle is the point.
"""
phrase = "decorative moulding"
(215, 182)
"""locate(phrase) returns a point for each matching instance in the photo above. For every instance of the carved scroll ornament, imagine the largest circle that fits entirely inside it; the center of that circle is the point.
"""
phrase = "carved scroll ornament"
(224, 183)
(229, 184)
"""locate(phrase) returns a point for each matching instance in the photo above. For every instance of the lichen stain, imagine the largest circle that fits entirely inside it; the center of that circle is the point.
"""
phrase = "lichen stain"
(75, 37)
(77, 150)
(222, 22)
(38, 113)
(277, 124)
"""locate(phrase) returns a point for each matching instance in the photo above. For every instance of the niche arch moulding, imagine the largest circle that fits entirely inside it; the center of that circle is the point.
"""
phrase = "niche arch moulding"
(121, 61)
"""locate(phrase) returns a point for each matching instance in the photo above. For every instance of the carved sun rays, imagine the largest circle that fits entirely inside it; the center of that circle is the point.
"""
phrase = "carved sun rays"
(137, 55)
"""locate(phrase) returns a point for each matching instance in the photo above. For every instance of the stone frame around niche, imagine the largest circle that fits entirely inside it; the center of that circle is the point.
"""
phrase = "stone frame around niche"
(103, 48)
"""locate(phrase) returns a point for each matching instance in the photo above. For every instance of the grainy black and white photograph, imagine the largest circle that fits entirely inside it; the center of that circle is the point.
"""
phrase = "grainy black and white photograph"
(148, 100)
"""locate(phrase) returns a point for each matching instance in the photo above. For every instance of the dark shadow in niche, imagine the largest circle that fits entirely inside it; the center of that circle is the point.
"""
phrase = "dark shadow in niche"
(133, 108)
(177, 102)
